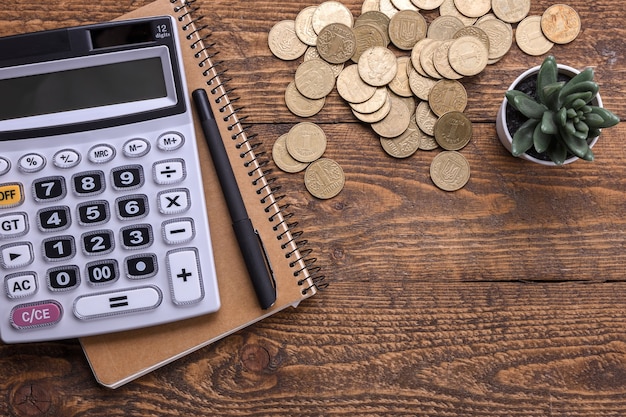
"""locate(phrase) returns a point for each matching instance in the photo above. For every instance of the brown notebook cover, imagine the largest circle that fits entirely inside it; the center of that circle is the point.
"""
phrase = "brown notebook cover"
(116, 359)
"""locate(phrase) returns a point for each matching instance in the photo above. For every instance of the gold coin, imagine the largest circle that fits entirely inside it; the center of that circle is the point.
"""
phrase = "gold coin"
(426, 119)
(441, 61)
(427, 58)
(468, 56)
(500, 36)
(299, 104)
(404, 145)
(367, 36)
(283, 41)
(427, 142)
(420, 85)
(304, 26)
(370, 6)
(404, 5)
(315, 79)
(376, 116)
(336, 43)
(283, 159)
(427, 4)
(387, 7)
(473, 8)
(530, 38)
(377, 19)
(377, 66)
(560, 23)
(400, 83)
(450, 171)
(378, 100)
(511, 11)
(396, 122)
(416, 54)
(324, 178)
(331, 12)
(306, 142)
(453, 131)
(448, 8)
(351, 86)
(444, 27)
(473, 31)
(447, 96)
(406, 28)
(311, 53)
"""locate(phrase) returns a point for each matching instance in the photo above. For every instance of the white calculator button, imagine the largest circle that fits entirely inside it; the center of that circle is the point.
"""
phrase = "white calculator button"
(136, 147)
(174, 201)
(117, 302)
(185, 277)
(66, 158)
(102, 153)
(170, 141)
(16, 255)
(169, 172)
(13, 225)
(178, 231)
(20, 285)
(32, 162)
(5, 165)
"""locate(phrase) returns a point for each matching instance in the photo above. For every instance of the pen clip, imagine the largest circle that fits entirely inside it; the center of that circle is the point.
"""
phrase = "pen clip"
(266, 258)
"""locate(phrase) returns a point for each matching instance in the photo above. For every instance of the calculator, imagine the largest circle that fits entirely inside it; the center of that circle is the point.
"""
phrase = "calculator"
(103, 223)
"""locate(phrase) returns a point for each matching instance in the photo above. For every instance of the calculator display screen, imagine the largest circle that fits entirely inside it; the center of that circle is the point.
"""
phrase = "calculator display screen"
(80, 88)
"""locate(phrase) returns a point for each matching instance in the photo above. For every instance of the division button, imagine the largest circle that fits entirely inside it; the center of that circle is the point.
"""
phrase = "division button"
(169, 172)
(183, 269)
(112, 303)
(33, 315)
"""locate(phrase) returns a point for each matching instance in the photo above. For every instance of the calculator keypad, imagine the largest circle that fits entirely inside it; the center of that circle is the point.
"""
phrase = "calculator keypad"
(103, 231)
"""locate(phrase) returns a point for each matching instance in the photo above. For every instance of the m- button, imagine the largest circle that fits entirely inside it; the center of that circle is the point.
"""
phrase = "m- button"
(11, 195)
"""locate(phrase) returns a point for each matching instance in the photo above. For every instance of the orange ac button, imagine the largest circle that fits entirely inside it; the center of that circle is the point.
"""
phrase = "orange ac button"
(11, 195)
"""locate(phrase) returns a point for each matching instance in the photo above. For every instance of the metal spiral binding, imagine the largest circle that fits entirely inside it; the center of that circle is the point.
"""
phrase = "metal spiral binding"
(251, 149)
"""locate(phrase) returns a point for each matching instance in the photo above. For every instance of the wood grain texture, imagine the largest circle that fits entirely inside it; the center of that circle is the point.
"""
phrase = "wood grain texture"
(506, 298)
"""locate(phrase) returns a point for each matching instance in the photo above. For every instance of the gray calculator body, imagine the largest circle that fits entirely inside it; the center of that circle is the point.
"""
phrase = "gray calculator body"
(103, 223)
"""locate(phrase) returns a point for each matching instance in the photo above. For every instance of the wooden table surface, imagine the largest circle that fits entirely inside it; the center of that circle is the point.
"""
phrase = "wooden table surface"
(506, 298)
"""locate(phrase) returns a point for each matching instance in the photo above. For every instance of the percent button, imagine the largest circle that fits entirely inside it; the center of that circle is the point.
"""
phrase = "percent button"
(32, 162)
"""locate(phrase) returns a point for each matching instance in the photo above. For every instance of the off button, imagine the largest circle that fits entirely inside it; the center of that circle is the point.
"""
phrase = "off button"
(11, 195)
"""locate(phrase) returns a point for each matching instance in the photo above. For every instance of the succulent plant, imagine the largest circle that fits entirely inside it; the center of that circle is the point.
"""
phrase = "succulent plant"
(562, 119)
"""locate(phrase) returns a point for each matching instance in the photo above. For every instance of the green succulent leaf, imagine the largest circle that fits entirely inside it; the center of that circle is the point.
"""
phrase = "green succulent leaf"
(541, 140)
(573, 100)
(577, 146)
(578, 87)
(558, 152)
(547, 75)
(561, 117)
(600, 118)
(550, 94)
(529, 107)
(523, 138)
(548, 126)
(589, 156)
(593, 132)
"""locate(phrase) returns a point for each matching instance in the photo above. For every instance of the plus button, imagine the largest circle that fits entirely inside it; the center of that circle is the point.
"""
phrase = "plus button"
(184, 274)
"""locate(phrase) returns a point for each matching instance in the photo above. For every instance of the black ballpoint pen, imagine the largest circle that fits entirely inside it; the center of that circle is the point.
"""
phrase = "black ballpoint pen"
(249, 241)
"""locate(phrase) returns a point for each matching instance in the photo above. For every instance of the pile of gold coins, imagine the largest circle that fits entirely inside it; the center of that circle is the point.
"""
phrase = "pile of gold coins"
(411, 96)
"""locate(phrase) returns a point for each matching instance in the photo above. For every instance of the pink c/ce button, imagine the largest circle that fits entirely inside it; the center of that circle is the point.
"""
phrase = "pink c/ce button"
(40, 314)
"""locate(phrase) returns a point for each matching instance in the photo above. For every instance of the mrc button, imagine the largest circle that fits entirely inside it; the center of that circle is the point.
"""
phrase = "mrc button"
(11, 195)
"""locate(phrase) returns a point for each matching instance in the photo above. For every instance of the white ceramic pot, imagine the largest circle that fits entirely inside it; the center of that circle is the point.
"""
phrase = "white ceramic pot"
(503, 132)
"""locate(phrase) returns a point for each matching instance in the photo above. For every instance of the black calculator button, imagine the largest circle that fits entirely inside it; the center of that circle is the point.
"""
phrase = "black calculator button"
(93, 213)
(127, 177)
(59, 248)
(141, 266)
(49, 189)
(136, 236)
(88, 183)
(102, 272)
(63, 278)
(132, 207)
(53, 219)
(98, 242)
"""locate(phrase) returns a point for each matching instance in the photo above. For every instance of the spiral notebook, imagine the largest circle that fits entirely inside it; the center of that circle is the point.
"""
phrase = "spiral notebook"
(118, 358)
